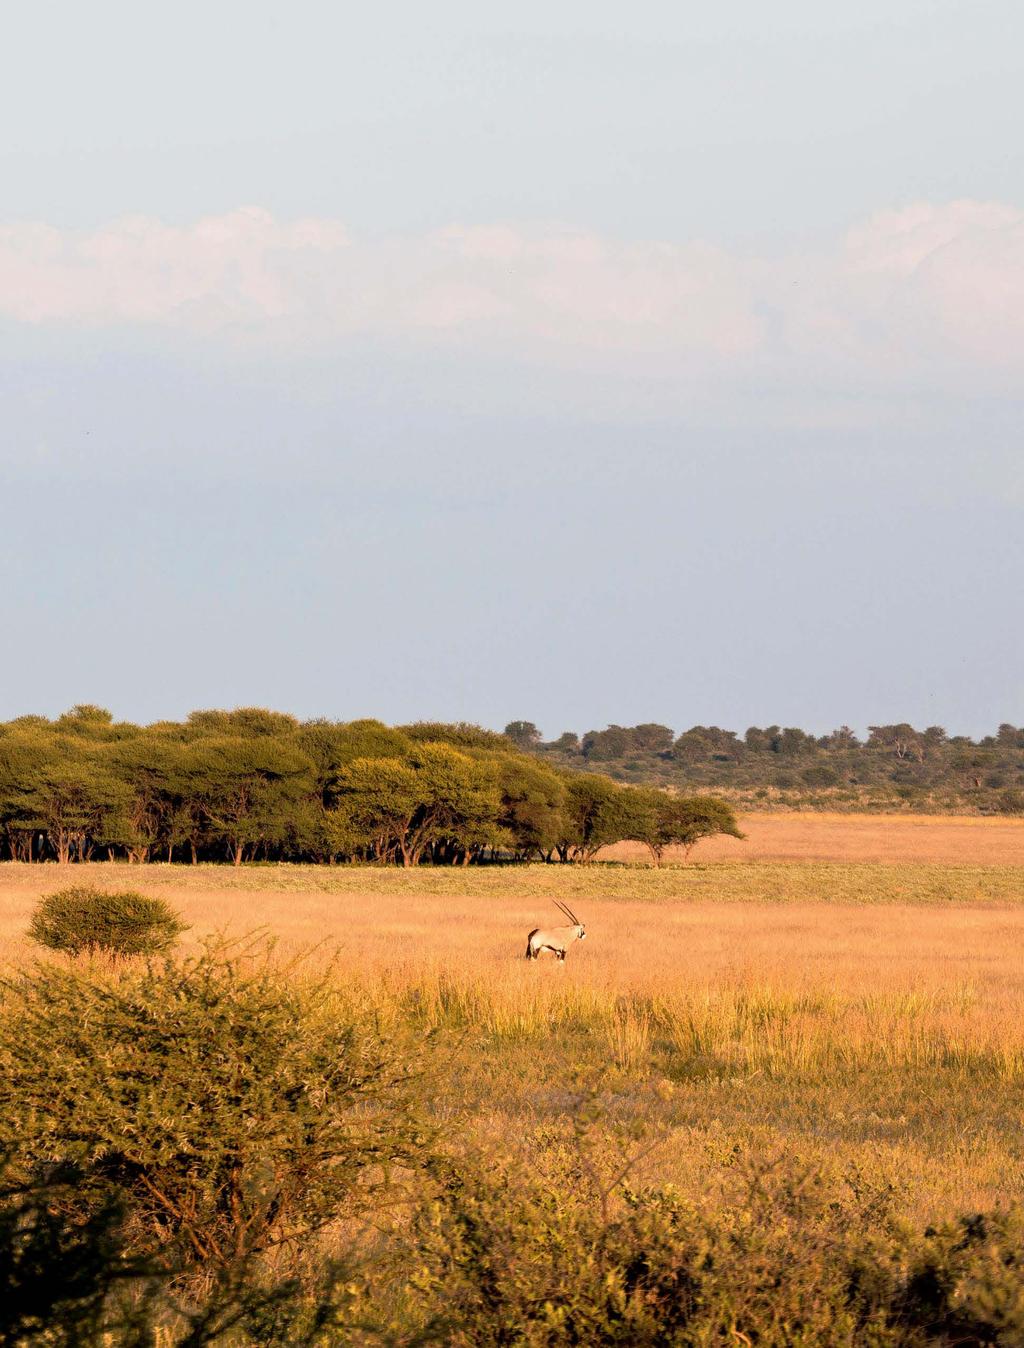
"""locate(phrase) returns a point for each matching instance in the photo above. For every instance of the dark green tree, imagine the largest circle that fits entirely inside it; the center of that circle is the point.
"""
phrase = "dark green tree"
(595, 815)
(604, 746)
(660, 820)
(651, 738)
(245, 789)
(532, 799)
(523, 734)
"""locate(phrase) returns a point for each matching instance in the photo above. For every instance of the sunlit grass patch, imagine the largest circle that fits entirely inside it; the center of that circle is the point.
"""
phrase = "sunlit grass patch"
(779, 882)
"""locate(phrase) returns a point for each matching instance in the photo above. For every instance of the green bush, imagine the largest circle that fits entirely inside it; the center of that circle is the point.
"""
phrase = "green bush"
(792, 1262)
(85, 919)
(1011, 801)
(174, 1137)
(540, 1262)
(67, 1280)
(225, 1103)
(820, 776)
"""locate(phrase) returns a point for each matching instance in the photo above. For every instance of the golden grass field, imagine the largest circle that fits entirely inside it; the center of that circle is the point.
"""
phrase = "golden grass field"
(847, 992)
(860, 837)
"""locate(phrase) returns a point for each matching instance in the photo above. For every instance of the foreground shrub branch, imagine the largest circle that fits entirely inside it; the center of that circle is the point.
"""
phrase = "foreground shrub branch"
(223, 1103)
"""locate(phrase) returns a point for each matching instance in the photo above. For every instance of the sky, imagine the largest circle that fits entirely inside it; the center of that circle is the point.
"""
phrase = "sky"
(568, 362)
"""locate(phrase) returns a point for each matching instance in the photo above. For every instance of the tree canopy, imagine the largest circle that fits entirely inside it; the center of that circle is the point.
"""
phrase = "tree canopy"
(253, 785)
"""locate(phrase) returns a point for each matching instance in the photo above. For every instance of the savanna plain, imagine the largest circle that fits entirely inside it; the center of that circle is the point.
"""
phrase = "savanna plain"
(817, 1031)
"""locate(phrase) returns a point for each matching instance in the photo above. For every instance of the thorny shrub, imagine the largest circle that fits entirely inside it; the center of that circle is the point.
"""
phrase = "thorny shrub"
(229, 1106)
(548, 1259)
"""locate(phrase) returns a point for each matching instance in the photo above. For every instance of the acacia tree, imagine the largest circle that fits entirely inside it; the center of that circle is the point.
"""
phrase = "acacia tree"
(377, 800)
(245, 788)
(21, 749)
(72, 795)
(523, 734)
(532, 800)
(659, 820)
(332, 747)
(901, 740)
(593, 817)
(459, 805)
(605, 745)
(148, 766)
(702, 743)
(652, 738)
(436, 798)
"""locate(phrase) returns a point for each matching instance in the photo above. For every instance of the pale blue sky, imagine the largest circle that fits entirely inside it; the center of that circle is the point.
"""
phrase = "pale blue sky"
(653, 119)
(575, 362)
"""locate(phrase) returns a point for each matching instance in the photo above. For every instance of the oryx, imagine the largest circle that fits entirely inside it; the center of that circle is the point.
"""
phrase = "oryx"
(556, 939)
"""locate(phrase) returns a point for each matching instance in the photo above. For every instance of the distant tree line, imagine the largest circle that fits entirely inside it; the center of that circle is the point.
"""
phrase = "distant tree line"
(253, 785)
(893, 764)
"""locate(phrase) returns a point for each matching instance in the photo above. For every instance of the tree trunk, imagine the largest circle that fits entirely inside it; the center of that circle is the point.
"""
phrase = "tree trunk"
(21, 846)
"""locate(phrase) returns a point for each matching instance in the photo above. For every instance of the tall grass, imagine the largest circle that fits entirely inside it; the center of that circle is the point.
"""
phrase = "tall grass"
(813, 1032)
(853, 1031)
(869, 1015)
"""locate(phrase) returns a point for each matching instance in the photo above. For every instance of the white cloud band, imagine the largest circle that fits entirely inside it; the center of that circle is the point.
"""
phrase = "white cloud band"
(939, 286)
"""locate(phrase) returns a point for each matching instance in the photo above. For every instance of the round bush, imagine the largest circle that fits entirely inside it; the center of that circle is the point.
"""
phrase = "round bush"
(84, 919)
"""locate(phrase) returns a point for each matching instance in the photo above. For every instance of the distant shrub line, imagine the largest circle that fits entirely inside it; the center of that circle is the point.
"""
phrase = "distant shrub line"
(258, 785)
(896, 765)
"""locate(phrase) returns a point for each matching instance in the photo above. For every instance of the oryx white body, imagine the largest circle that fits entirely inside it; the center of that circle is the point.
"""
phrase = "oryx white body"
(556, 939)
